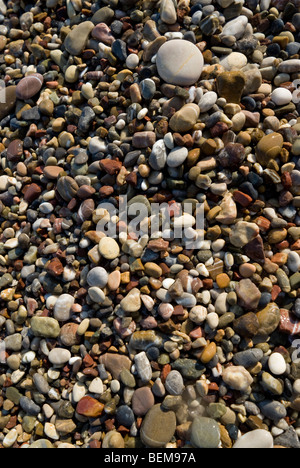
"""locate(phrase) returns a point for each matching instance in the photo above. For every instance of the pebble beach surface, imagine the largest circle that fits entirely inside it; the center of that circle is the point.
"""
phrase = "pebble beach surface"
(120, 341)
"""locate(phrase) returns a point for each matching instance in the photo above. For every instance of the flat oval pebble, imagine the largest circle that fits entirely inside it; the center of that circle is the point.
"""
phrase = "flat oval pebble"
(59, 356)
(179, 63)
(277, 364)
(109, 248)
(62, 307)
(29, 86)
(205, 433)
(281, 96)
(177, 157)
(97, 277)
(158, 427)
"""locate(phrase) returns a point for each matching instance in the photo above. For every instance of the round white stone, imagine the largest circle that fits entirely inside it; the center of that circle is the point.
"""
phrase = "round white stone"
(259, 439)
(28, 357)
(281, 96)
(132, 61)
(277, 364)
(59, 356)
(179, 62)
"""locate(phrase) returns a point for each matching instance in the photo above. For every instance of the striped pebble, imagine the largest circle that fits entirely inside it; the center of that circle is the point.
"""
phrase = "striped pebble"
(29, 86)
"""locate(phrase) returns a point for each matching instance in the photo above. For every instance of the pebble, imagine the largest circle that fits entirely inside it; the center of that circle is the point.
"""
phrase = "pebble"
(158, 427)
(205, 433)
(177, 157)
(158, 156)
(109, 248)
(10, 438)
(237, 377)
(281, 96)
(89, 407)
(179, 63)
(62, 308)
(208, 100)
(277, 364)
(185, 118)
(45, 327)
(231, 85)
(243, 233)
(59, 356)
(236, 27)
(273, 410)
(132, 302)
(102, 33)
(132, 61)
(76, 40)
(167, 12)
(29, 86)
(258, 438)
(143, 367)
(174, 383)
(248, 358)
(98, 276)
(142, 401)
(269, 148)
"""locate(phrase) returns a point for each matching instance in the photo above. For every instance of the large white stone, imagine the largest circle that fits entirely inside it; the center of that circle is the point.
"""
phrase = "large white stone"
(259, 439)
(179, 62)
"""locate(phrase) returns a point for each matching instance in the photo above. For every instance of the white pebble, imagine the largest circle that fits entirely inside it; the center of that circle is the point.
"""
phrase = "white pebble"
(96, 386)
(202, 270)
(120, 124)
(277, 364)
(167, 283)
(50, 431)
(28, 357)
(142, 114)
(132, 61)
(115, 386)
(206, 297)
(212, 320)
(281, 96)
(78, 392)
(10, 438)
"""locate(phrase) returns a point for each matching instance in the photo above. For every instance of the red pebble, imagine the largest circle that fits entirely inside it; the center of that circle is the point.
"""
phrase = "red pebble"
(289, 323)
(89, 407)
(242, 198)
